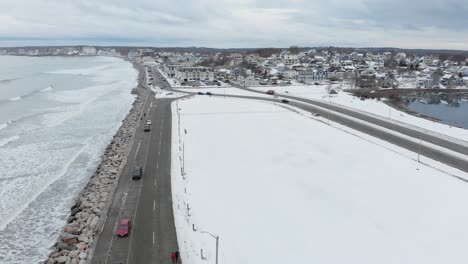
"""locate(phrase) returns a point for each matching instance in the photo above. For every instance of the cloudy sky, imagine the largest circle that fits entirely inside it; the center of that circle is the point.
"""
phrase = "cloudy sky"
(438, 24)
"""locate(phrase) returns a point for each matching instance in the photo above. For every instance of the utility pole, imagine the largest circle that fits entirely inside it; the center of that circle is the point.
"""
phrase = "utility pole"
(419, 149)
(217, 242)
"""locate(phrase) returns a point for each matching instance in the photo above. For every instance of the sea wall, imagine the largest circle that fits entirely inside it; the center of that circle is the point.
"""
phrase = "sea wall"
(88, 213)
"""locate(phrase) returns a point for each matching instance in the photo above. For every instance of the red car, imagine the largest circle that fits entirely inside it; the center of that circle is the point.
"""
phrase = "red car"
(124, 228)
(270, 92)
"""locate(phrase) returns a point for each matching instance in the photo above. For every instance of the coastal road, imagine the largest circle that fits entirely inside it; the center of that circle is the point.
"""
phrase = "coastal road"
(147, 202)
(404, 129)
(441, 150)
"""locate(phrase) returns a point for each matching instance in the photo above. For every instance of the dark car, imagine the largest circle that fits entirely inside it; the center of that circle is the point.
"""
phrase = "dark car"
(200, 93)
(209, 93)
(270, 92)
(137, 172)
(147, 128)
(285, 101)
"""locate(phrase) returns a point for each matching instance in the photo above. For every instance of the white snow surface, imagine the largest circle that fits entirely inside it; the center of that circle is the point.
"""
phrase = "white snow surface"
(278, 186)
(378, 108)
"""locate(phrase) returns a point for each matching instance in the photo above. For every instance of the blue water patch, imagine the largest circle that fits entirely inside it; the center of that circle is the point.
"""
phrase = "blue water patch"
(451, 110)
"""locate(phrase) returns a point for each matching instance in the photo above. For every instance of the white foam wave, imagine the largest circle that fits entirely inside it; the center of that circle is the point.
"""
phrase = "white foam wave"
(15, 98)
(4, 125)
(5, 141)
(50, 88)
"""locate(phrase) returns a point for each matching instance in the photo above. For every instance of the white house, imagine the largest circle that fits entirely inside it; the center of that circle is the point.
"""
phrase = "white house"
(185, 74)
(248, 80)
(170, 69)
(289, 59)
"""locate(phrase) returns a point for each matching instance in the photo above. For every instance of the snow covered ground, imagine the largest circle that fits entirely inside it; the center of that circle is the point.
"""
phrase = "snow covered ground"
(281, 186)
(320, 92)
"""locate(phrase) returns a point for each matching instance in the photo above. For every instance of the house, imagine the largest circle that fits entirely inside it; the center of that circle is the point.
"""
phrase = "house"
(170, 69)
(335, 76)
(290, 73)
(185, 74)
(305, 76)
(425, 82)
(384, 81)
(465, 81)
(310, 75)
(248, 80)
(289, 59)
(448, 80)
(367, 79)
(436, 77)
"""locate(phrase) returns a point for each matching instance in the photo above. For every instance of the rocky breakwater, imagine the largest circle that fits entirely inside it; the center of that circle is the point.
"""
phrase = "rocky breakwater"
(90, 209)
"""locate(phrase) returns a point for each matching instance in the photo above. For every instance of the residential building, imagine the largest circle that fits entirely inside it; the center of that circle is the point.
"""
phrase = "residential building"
(248, 80)
(448, 80)
(185, 74)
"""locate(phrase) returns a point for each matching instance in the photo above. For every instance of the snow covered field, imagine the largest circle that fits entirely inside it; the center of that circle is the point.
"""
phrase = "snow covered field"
(320, 92)
(278, 186)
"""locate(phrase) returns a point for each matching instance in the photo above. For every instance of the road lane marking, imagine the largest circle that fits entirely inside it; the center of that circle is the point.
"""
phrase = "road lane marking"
(136, 152)
(131, 233)
(154, 205)
(155, 183)
(153, 238)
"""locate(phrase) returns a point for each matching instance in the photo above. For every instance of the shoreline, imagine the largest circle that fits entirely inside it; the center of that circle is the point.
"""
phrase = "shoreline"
(75, 243)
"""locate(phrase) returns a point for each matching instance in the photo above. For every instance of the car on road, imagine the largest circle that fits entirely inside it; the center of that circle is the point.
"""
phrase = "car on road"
(148, 122)
(200, 93)
(147, 128)
(317, 83)
(209, 93)
(124, 228)
(137, 172)
(285, 101)
(270, 92)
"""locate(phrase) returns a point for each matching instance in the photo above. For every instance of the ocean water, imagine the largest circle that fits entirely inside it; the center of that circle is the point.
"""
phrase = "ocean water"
(57, 115)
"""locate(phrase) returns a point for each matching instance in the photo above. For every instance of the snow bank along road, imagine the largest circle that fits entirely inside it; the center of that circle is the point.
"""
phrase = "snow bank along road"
(146, 202)
(437, 148)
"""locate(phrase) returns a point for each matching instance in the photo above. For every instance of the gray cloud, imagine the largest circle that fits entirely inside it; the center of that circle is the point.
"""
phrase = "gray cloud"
(237, 23)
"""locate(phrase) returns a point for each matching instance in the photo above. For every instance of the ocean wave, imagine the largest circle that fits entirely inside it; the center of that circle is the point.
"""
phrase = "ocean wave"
(32, 93)
(8, 80)
(15, 98)
(50, 88)
(5, 141)
(5, 125)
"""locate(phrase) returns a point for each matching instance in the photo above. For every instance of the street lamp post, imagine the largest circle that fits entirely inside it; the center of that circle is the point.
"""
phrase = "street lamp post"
(217, 242)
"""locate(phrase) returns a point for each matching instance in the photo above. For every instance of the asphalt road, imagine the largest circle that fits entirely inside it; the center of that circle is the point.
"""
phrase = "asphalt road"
(378, 121)
(147, 202)
(456, 161)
